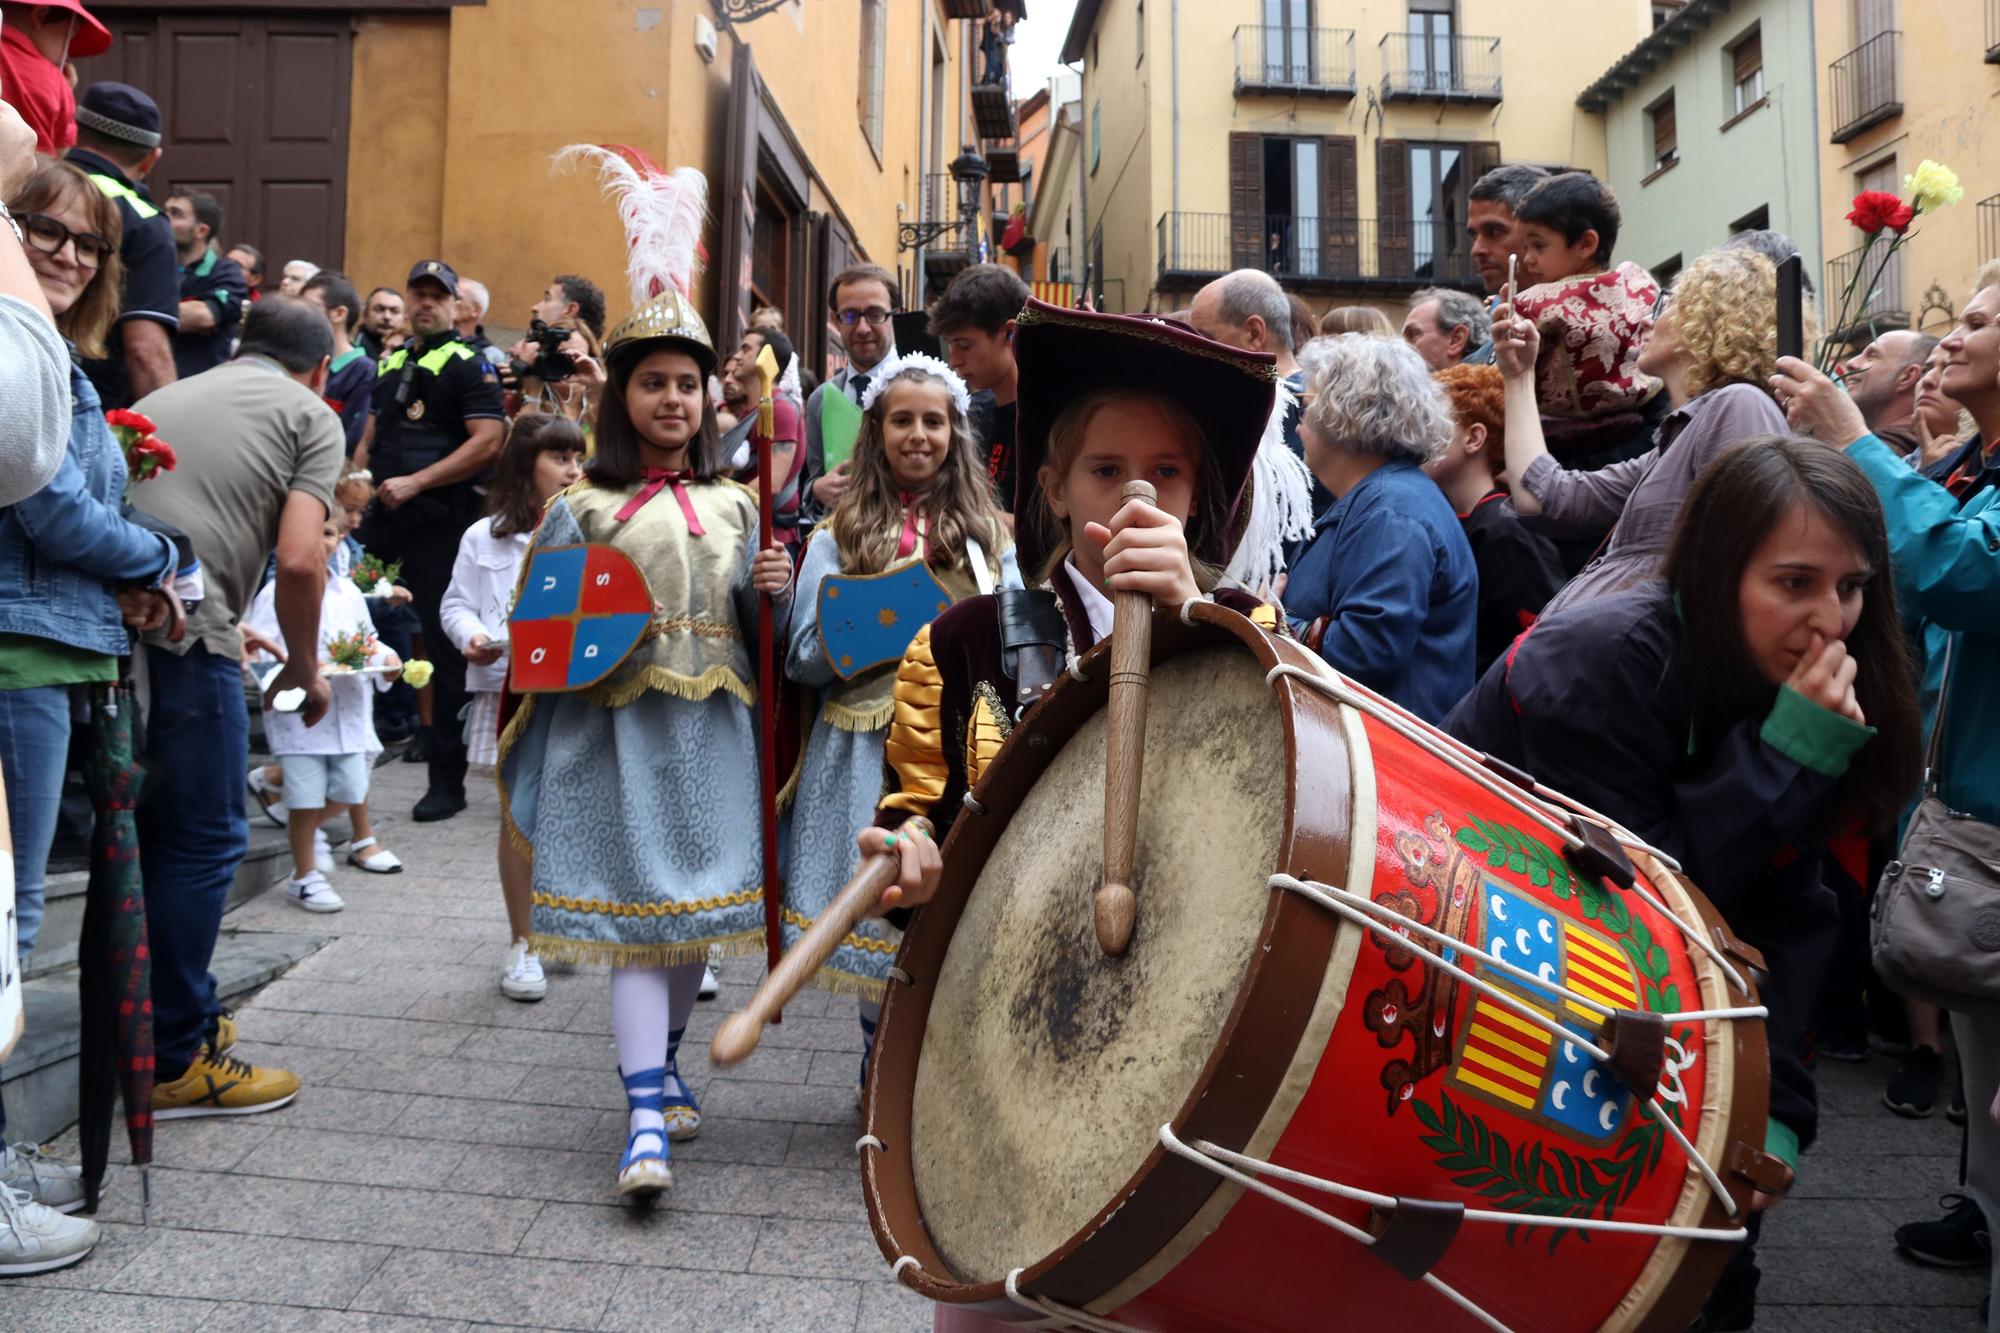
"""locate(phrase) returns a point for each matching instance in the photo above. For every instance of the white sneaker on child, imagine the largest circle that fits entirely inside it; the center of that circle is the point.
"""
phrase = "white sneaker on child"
(322, 853)
(48, 1182)
(523, 979)
(710, 987)
(312, 893)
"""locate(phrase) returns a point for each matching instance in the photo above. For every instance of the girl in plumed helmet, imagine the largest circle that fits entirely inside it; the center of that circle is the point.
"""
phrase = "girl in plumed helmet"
(634, 800)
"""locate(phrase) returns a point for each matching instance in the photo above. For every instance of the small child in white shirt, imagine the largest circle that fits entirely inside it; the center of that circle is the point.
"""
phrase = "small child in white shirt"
(543, 457)
(325, 766)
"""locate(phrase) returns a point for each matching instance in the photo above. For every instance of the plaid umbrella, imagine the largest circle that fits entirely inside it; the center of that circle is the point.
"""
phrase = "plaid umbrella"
(116, 984)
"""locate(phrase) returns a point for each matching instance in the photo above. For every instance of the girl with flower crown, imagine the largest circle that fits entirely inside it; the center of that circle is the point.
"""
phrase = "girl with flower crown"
(634, 800)
(918, 495)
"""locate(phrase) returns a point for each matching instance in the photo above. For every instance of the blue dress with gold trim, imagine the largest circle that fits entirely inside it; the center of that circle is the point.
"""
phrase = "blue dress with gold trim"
(637, 799)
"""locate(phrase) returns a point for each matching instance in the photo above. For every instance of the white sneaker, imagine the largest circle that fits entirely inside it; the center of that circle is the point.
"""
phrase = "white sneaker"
(523, 979)
(48, 1182)
(322, 853)
(312, 894)
(710, 987)
(269, 800)
(35, 1239)
(370, 855)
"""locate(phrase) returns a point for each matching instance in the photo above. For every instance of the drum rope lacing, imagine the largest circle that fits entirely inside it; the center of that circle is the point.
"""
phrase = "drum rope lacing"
(1534, 806)
(1202, 1150)
(1341, 902)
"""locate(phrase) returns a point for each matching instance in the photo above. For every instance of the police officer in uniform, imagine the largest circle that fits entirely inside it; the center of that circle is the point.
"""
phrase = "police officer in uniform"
(435, 430)
(117, 145)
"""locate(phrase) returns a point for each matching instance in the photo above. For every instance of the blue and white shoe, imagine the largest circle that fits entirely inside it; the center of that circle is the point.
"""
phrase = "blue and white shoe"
(682, 1111)
(644, 1172)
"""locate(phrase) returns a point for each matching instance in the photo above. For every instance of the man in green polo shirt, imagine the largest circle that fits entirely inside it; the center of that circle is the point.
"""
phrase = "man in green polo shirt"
(213, 288)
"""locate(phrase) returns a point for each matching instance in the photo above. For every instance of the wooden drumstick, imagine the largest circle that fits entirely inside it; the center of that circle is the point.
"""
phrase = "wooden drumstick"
(739, 1033)
(1116, 907)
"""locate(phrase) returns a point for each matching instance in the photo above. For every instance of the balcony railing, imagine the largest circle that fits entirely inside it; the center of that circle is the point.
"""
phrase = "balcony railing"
(1416, 67)
(1343, 251)
(1298, 61)
(1865, 90)
(1989, 228)
(1993, 32)
(1879, 302)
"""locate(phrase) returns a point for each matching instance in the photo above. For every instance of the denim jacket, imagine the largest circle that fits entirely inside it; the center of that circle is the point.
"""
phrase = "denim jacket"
(65, 550)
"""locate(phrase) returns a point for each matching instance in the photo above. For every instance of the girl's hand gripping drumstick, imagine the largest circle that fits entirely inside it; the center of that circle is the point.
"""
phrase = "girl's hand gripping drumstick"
(1116, 907)
(739, 1033)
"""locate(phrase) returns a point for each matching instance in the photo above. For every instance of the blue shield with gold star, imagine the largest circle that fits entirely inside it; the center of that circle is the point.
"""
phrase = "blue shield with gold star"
(866, 620)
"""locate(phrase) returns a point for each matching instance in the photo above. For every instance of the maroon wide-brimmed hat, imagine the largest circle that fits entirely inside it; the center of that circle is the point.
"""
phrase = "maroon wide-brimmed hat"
(1062, 355)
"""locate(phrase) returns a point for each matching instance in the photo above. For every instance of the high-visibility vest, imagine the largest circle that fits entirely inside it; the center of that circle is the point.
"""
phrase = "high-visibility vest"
(434, 360)
(113, 188)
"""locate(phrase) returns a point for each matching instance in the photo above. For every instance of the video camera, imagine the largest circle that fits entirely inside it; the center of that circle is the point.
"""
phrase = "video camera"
(551, 363)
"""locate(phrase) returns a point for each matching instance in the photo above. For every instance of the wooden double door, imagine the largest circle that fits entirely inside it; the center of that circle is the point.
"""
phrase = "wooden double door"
(255, 107)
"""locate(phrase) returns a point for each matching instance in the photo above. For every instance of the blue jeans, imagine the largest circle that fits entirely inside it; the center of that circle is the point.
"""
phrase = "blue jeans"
(34, 750)
(192, 837)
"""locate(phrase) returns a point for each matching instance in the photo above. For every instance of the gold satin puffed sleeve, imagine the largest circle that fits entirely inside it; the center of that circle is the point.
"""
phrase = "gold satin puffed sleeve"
(915, 748)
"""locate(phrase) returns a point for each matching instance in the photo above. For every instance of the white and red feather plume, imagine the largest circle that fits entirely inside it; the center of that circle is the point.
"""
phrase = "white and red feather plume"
(663, 213)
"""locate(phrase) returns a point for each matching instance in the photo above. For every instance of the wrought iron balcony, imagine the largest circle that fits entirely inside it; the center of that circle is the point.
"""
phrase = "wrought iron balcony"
(1296, 61)
(1316, 253)
(1993, 32)
(948, 233)
(1865, 88)
(1880, 304)
(1420, 68)
(1989, 228)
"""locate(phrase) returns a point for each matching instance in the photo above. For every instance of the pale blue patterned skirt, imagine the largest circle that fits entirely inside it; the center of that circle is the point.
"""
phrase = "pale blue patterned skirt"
(839, 785)
(644, 824)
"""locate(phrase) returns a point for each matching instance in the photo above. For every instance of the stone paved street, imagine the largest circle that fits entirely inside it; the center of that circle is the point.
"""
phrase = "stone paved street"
(449, 1162)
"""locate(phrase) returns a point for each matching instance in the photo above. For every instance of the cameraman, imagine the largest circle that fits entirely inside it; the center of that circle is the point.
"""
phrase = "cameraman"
(543, 369)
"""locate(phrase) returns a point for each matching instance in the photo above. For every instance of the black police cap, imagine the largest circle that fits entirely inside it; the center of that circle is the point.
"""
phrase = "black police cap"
(120, 111)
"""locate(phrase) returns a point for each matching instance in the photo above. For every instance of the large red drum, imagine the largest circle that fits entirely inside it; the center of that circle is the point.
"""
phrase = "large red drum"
(1385, 1046)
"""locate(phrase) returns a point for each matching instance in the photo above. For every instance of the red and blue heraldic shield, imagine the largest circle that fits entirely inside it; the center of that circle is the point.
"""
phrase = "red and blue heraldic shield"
(583, 609)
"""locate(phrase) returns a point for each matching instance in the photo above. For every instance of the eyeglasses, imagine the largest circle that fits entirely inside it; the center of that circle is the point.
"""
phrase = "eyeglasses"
(48, 235)
(874, 314)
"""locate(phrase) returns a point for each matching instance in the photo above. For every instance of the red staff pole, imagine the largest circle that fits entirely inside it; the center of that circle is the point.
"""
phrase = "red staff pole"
(767, 713)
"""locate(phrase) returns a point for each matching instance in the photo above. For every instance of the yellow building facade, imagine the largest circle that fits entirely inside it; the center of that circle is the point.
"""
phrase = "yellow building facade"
(824, 126)
(1330, 143)
(1901, 81)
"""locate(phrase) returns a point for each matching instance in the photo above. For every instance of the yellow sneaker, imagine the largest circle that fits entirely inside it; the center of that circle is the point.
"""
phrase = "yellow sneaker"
(225, 1033)
(223, 1085)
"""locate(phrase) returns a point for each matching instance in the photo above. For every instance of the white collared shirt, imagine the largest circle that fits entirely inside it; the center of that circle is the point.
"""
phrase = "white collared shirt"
(1097, 607)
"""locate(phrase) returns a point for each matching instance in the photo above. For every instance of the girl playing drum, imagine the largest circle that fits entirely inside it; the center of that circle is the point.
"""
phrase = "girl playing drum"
(1105, 399)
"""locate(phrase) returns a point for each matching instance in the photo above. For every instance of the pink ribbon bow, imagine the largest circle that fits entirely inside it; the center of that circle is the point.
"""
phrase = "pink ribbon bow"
(657, 480)
(915, 527)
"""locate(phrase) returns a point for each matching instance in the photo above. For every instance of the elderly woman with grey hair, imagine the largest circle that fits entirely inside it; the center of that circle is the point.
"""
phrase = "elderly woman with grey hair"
(1386, 591)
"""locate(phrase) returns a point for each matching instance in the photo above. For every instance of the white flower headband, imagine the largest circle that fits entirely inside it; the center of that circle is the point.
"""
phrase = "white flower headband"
(883, 375)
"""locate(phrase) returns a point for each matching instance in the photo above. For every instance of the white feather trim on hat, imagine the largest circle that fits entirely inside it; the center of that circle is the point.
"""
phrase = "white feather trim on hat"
(880, 377)
(1280, 507)
(663, 213)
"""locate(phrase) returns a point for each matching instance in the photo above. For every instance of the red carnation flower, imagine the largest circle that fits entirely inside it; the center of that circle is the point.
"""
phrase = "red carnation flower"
(133, 421)
(1876, 209)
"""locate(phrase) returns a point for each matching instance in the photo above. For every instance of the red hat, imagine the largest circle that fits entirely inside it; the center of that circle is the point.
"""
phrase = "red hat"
(90, 37)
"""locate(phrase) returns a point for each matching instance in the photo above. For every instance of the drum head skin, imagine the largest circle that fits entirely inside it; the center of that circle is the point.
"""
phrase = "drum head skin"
(1063, 1063)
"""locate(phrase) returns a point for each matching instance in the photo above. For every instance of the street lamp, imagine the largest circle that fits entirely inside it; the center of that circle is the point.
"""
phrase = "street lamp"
(970, 170)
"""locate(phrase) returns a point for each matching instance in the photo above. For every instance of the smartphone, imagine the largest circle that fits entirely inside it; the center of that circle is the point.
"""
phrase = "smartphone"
(1792, 307)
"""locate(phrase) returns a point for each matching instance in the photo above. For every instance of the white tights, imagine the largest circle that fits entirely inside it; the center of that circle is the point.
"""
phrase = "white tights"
(649, 1009)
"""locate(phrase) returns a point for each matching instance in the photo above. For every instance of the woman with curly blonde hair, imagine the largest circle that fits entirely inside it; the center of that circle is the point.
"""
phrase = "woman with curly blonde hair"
(1714, 345)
